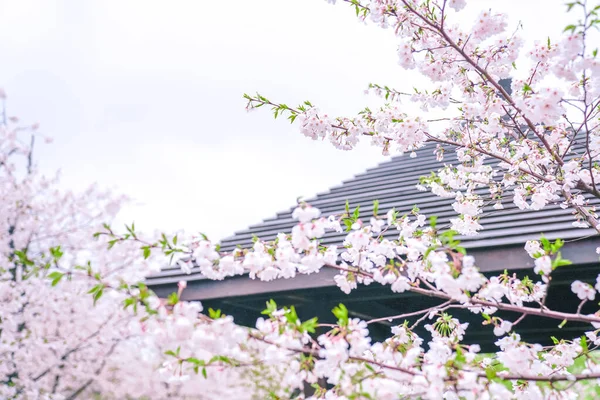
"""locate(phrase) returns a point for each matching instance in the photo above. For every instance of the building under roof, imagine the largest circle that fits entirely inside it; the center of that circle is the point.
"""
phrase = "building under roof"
(498, 247)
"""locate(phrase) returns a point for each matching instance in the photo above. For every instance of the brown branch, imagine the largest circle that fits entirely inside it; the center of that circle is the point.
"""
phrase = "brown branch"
(534, 378)
(539, 312)
(480, 150)
(98, 370)
(411, 314)
(30, 155)
(74, 349)
(473, 301)
(483, 72)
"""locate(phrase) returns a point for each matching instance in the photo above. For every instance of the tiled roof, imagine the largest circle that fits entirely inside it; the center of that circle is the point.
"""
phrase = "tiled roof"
(393, 183)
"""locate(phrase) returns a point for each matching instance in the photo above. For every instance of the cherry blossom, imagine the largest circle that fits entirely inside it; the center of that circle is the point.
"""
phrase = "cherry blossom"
(77, 319)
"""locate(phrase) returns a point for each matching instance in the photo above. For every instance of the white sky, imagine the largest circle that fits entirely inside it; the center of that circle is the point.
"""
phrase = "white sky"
(146, 97)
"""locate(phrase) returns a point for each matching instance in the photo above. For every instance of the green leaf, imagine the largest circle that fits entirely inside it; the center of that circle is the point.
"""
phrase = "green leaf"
(173, 299)
(214, 314)
(348, 222)
(23, 258)
(546, 244)
(460, 356)
(271, 307)
(291, 316)
(341, 313)
(224, 359)
(570, 28)
(147, 252)
(560, 262)
(584, 344)
(433, 221)
(55, 277)
(309, 326)
(129, 302)
(490, 372)
(96, 288)
(97, 295)
(356, 213)
(375, 207)
(56, 252)
(195, 361)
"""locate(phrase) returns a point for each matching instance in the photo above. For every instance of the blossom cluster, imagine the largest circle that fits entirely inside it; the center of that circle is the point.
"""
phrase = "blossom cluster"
(542, 139)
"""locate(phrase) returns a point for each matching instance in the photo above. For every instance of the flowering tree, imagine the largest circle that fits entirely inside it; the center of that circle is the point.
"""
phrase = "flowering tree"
(77, 320)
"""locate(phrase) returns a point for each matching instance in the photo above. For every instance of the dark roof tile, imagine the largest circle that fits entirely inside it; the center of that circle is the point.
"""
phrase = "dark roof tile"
(393, 183)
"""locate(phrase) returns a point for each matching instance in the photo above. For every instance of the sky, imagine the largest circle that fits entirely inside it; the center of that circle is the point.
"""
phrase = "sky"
(145, 97)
